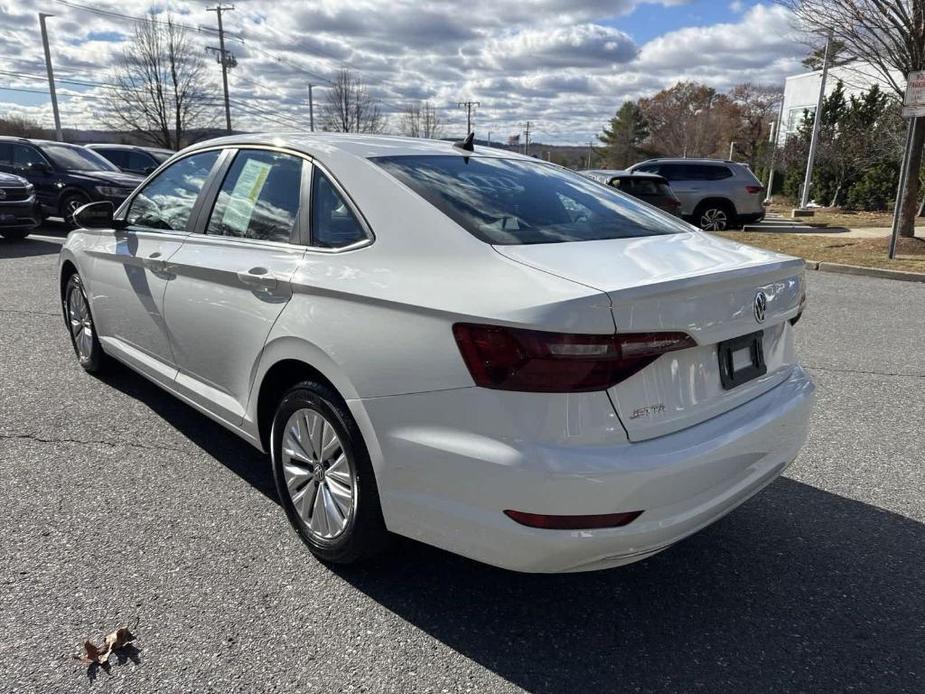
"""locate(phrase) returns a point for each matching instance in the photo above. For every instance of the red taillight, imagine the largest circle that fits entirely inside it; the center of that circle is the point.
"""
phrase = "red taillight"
(753, 190)
(604, 520)
(534, 361)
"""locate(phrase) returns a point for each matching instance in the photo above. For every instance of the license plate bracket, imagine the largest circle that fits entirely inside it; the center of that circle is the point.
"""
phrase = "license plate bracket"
(732, 353)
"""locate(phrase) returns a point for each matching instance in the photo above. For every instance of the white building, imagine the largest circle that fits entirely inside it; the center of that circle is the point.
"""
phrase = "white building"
(802, 91)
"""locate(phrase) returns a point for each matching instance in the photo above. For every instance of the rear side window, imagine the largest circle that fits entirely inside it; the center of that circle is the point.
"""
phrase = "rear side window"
(23, 155)
(167, 201)
(116, 156)
(259, 198)
(333, 223)
(512, 202)
(139, 161)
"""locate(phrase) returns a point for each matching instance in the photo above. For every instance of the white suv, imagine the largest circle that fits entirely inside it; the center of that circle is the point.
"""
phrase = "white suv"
(715, 195)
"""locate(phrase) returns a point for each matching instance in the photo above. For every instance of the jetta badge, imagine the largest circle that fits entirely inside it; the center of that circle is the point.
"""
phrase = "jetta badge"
(761, 306)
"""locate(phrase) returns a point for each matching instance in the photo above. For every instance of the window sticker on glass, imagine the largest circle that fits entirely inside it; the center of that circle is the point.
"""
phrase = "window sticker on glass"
(244, 197)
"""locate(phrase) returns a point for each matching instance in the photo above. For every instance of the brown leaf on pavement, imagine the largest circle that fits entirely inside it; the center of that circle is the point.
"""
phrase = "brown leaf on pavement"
(114, 641)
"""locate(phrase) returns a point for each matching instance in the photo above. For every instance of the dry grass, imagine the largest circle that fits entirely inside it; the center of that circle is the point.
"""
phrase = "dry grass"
(910, 253)
(837, 217)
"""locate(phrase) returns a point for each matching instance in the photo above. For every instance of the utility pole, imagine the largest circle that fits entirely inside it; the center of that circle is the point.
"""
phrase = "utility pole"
(817, 121)
(311, 109)
(590, 151)
(527, 138)
(470, 106)
(774, 137)
(489, 138)
(224, 57)
(51, 77)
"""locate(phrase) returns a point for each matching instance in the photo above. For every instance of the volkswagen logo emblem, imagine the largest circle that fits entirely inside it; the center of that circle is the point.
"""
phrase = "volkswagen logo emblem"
(761, 306)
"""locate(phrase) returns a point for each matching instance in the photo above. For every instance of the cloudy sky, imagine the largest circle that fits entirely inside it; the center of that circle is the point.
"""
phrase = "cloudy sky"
(564, 65)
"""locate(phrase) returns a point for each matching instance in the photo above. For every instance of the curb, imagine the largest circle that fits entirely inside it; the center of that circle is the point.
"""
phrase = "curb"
(901, 275)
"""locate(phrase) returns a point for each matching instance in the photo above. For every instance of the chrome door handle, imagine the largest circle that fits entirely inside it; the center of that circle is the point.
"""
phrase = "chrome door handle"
(257, 277)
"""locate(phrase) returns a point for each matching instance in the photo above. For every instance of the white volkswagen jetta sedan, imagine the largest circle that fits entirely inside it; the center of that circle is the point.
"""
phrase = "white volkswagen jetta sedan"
(464, 346)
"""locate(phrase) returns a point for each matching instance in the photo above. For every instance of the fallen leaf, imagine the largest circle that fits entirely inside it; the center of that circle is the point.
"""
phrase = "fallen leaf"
(114, 641)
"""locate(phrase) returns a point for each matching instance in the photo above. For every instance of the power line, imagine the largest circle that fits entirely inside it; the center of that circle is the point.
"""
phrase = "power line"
(148, 20)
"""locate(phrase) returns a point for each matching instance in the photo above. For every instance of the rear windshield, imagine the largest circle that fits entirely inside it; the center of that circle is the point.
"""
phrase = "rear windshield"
(513, 202)
(644, 186)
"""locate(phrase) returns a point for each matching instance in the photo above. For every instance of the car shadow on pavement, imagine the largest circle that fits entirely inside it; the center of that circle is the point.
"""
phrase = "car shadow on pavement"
(798, 590)
(27, 248)
(239, 457)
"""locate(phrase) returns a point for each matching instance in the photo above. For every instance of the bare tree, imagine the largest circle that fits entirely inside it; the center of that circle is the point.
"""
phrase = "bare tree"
(350, 108)
(890, 35)
(755, 105)
(421, 120)
(160, 90)
(20, 126)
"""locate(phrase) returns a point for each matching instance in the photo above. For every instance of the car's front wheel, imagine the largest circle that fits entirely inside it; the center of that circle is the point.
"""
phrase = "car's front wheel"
(324, 477)
(714, 216)
(80, 326)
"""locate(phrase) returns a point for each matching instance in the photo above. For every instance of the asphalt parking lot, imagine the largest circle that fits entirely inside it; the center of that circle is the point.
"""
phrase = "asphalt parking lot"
(119, 503)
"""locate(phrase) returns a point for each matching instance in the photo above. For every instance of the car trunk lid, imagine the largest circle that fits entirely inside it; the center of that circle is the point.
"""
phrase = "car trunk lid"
(695, 283)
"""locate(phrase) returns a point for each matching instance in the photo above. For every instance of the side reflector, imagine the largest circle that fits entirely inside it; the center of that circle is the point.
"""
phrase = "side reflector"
(606, 520)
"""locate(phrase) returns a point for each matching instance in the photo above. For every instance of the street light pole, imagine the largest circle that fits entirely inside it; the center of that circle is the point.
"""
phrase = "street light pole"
(817, 122)
(51, 77)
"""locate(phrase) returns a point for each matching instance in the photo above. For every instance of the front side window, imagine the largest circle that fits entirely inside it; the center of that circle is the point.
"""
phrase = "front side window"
(23, 155)
(510, 202)
(259, 198)
(167, 201)
(333, 223)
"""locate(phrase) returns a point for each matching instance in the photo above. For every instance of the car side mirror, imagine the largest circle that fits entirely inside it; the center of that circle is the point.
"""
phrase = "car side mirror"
(95, 215)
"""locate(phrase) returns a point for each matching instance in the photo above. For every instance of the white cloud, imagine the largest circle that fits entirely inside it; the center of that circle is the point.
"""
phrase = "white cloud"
(561, 64)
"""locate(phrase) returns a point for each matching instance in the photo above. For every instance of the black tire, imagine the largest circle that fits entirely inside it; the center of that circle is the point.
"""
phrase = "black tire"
(15, 234)
(364, 533)
(90, 355)
(715, 216)
(69, 204)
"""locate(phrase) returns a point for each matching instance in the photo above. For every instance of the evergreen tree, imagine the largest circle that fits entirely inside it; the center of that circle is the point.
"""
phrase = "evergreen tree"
(624, 135)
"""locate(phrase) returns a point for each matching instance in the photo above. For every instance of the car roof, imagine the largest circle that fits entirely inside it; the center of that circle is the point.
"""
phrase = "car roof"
(688, 160)
(356, 145)
(620, 173)
(110, 145)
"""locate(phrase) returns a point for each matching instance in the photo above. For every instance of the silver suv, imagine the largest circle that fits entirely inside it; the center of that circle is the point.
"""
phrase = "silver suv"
(715, 194)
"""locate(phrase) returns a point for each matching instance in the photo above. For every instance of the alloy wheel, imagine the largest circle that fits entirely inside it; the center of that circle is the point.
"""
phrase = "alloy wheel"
(319, 476)
(714, 219)
(80, 322)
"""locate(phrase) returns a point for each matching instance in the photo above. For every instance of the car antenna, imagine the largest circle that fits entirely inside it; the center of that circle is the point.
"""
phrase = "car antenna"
(467, 143)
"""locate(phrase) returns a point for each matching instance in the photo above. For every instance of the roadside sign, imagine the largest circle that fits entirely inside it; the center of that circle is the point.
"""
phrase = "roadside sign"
(914, 101)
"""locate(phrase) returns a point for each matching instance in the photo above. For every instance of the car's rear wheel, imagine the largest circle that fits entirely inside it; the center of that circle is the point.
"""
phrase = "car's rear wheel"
(324, 477)
(714, 216)
(80, 326)
(70, 204)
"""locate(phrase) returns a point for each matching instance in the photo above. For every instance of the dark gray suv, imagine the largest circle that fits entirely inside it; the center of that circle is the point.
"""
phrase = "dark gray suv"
(715, 195)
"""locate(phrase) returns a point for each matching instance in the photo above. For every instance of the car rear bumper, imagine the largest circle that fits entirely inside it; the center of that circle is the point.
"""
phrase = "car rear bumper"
(446, 484)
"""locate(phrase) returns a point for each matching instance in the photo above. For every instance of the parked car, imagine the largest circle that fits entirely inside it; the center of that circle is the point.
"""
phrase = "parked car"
(428, 347)
(715, 195)
(19, 211)
(132, 158)
(65, 176)
(650, 188)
